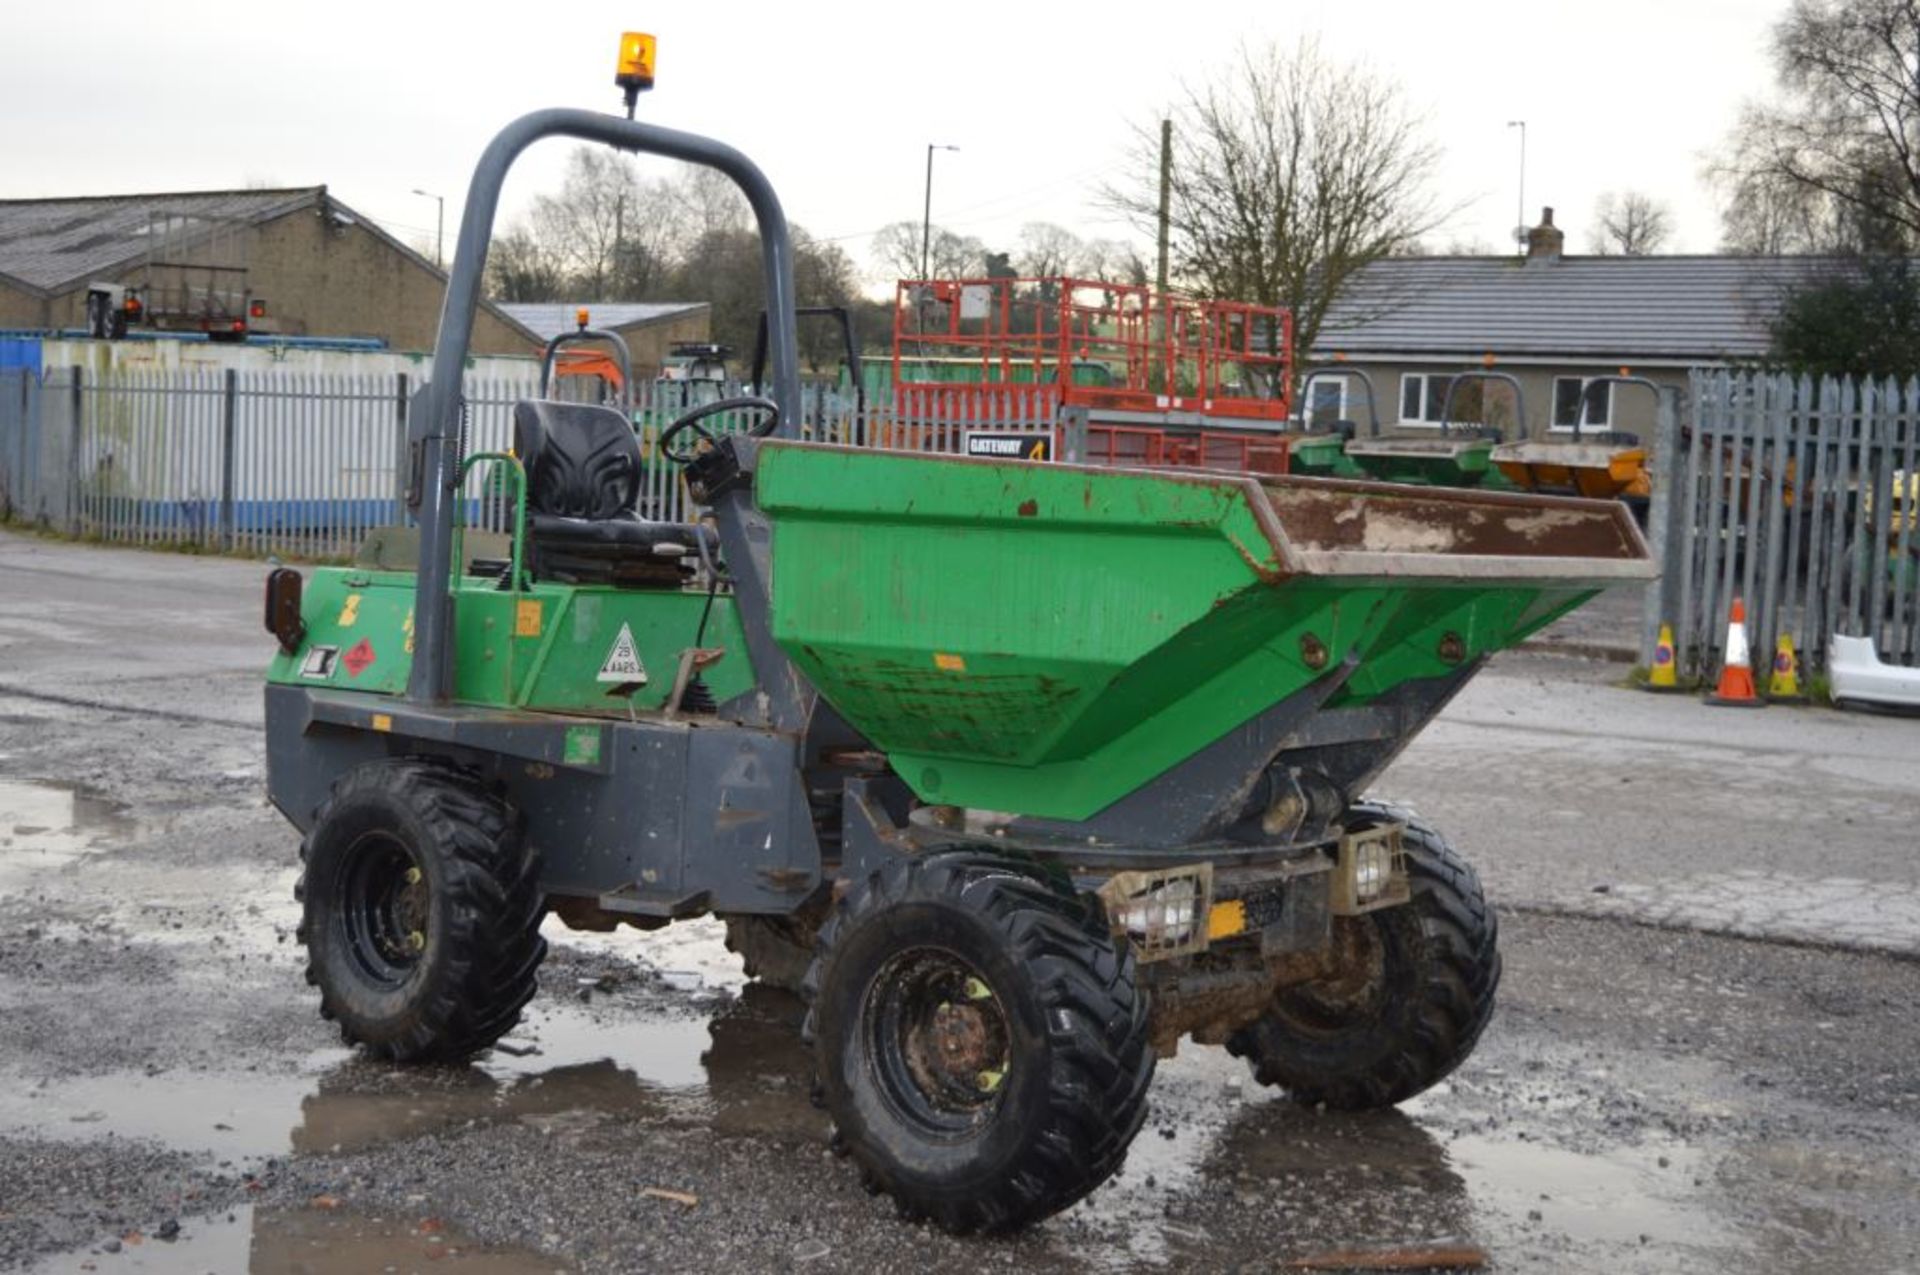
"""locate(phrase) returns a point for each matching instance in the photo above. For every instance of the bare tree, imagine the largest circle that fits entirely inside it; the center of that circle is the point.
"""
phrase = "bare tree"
(1291, 174)
(520, 268)
(1834, 161)
(1629, 224)
(1047, 251)
(1111, 261)
(583, 224)
(1766, 215)
(897, 248)
(609, 235)
(709, 203)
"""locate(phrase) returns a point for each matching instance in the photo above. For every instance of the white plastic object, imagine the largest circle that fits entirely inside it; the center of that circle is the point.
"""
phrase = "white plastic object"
(1858, 675)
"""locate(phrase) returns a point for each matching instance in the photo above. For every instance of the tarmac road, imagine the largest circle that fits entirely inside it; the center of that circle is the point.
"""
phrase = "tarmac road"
(1649, 1096)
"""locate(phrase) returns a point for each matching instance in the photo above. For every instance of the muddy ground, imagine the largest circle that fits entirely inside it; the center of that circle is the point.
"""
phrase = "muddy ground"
(1649, 1097)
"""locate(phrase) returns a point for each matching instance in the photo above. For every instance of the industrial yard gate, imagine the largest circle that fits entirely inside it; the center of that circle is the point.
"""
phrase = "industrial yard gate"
(1797, 496)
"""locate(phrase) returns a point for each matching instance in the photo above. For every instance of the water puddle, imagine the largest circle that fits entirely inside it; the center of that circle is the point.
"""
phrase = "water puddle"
(310, 1241)
(1197, 1095)
(1217, 1150)
(742, 1071)
(46, 826)
(688, 956)
(226, 1115)
(1639, 1195)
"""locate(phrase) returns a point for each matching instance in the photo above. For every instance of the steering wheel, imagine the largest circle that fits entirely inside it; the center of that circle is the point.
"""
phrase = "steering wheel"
(690, 423)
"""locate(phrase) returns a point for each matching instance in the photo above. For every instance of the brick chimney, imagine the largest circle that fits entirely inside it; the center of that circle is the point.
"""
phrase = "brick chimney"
(1545, 240)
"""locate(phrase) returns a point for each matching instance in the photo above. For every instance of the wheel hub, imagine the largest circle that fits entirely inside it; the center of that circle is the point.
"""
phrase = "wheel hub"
(387, 906)
(957, 1046)
(940, 1039)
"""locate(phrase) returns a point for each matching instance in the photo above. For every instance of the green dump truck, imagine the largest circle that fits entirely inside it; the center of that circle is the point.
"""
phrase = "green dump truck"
(1023, 774)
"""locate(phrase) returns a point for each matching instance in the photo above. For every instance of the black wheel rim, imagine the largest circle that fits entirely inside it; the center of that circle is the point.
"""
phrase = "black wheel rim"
(385, 908)
(938, 1041)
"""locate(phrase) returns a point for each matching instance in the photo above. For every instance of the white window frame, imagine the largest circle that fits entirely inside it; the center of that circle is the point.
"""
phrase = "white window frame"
(1400, 400)
(1586, 426)
(1341, 379)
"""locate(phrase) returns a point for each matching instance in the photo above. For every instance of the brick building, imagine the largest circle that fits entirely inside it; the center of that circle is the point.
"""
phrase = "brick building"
(322, 269)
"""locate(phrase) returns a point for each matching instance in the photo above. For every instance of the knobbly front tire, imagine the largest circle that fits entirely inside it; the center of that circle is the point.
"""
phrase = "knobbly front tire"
(1415, 990)
(979, 1038)
(421, 911)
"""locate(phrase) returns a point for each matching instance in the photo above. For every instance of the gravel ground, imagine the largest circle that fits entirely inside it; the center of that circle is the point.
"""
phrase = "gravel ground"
(1645, 1099)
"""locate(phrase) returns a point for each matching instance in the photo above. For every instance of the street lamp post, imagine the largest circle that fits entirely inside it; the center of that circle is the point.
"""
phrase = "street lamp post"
(1520, 222)
(926, 215)
(439, 226)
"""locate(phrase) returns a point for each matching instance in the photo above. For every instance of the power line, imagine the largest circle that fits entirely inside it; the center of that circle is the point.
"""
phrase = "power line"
(1053, 184)
(949, 222)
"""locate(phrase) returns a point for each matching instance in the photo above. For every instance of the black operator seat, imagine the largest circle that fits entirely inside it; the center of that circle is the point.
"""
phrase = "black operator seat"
(583, 480)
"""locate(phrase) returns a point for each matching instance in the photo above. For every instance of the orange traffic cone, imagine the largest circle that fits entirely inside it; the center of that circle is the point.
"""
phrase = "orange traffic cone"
(1736, 675)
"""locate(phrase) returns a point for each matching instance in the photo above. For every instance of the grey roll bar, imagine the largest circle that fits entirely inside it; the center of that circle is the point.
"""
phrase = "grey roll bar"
(1338, 369)
(1481, 374)
(580, 336)
(1611, 378)
(434, 431)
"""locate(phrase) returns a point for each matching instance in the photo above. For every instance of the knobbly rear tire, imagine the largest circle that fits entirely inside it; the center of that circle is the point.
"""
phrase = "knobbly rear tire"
(1059, 1018)
(421, 911)
(778, 950)
(1439, 968)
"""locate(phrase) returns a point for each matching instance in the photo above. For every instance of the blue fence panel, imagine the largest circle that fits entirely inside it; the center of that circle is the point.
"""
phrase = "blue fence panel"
(20, 352)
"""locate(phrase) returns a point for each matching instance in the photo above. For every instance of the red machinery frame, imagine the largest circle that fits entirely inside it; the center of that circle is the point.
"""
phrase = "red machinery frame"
(1146, 447)
(1162, 352)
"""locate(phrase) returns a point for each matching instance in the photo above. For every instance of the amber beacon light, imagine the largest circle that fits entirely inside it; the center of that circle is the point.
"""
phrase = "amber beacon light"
(634, 72)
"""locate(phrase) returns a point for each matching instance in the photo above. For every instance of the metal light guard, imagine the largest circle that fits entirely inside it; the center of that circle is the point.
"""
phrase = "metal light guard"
(1158, 939)
(1381, 849)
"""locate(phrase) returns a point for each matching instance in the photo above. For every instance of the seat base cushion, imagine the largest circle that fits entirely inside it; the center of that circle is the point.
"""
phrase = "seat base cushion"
(624, 551)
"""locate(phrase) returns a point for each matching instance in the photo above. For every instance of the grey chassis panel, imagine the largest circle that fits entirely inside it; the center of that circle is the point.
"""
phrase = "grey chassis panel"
(674, 817)
(1192, 803)
(1196, 799)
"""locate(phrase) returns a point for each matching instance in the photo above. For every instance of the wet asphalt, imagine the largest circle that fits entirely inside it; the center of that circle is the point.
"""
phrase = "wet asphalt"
(1706, 1056)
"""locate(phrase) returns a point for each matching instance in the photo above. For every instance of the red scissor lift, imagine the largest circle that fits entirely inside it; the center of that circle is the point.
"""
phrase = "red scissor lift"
(1164, 380)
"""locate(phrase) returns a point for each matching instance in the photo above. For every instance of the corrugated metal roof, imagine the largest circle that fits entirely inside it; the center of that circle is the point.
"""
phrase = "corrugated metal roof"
(54, 245)
(549, 319)
(1706, 308)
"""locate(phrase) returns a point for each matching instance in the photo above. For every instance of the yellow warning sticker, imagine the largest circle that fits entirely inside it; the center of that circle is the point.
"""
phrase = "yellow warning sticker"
(382, 722)
(526, 618)
(949, 663)
(1226, 919)
(349, 611)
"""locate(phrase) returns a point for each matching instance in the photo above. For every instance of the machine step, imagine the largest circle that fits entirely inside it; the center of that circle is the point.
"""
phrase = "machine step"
(641, 901)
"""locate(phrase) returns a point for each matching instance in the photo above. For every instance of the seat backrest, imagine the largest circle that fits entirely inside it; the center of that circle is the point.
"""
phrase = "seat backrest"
(582, 460)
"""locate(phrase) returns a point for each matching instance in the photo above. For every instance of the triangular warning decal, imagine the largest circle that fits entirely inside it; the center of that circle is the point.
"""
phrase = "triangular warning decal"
(623, 661)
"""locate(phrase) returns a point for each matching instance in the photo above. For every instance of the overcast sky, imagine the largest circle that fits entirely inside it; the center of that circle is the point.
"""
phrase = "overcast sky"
(837, 101)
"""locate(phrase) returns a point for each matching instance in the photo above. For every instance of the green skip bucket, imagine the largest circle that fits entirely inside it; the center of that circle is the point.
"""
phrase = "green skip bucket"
(1044, 639)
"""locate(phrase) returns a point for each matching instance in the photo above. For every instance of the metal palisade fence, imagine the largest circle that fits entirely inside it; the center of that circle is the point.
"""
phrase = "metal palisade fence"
(305, 465)
(1797, 496)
